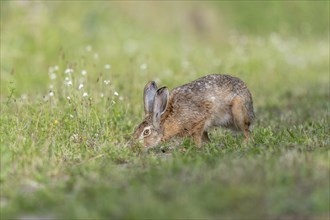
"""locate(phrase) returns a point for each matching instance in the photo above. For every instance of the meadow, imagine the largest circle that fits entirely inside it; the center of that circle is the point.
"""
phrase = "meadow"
(72, 77)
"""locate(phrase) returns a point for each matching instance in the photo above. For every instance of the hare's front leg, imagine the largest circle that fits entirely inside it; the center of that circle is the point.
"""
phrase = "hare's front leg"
(199, 135)
(200, 138)
(197, 139)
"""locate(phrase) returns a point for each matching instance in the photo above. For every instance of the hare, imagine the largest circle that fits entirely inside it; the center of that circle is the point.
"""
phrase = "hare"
(194, 108)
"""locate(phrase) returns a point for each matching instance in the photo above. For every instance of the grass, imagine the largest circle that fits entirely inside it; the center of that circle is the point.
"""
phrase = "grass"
(65, 135)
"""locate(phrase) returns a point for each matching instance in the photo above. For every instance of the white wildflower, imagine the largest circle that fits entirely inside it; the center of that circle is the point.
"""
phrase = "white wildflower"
(66, 78)
(113, 102)
(80, 86)
(88, 48)
(52, 76)
(68, 83)
(107, 66)
(121, 98)
(102, 95)
(68, 98)
(75, 138)
(55, 67)
(71, 116)
(116, 93)
(24, 96)
(106, 82)
(83, 72)
(85, 94)
(51, 93)
(143, 66)
(68, 71)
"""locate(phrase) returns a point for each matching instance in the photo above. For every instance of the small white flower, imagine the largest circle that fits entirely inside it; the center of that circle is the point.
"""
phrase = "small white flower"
(68, 71)
(55, 68)
(71, 116)
(116, 93)
(52, 76)
(83, 72)
(24, 96)
(85, 94)
(66, 78)
(68, 98)
(68, 83)
(51, 93)
(102, 95)
(143, 66)
(121, 98)
(106, 82)
(113, 102)
(81, 86)
(74, 138)
(107, 66)
(88, 48)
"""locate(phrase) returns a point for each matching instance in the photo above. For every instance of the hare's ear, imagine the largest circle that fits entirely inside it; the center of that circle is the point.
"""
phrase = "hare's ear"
(160, 105)
(149, 96)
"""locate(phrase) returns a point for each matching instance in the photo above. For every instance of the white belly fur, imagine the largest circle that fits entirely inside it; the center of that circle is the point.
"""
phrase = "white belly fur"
(224, 120)
(221, 114)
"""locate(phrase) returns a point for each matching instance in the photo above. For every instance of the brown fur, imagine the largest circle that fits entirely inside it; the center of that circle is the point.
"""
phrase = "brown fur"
(196, 107)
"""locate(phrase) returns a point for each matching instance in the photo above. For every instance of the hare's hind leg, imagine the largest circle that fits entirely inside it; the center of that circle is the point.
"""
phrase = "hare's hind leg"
(240, 116)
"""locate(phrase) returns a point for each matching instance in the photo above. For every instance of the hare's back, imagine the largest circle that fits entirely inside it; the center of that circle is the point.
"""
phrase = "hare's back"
(209, 98)
(211, 86)
(211, 93)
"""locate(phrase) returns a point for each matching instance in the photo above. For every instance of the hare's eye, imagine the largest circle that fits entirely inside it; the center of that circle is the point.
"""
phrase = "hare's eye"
(146, 132)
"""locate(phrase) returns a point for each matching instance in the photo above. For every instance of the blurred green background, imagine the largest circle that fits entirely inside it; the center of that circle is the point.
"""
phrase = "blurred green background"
(170, 37)
(64, 137)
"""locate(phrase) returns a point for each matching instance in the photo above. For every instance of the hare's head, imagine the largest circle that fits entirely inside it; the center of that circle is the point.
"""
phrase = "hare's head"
(150, 131)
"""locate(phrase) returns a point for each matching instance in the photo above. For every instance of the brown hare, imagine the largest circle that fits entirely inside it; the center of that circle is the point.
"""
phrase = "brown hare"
(194, 108)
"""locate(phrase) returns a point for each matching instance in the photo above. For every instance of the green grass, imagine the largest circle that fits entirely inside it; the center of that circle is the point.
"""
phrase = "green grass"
(71, 158)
